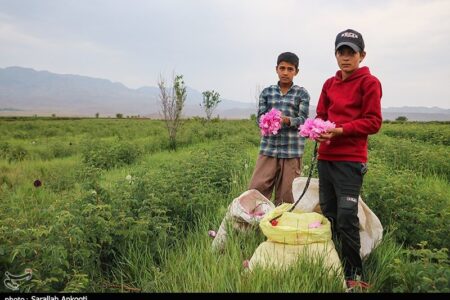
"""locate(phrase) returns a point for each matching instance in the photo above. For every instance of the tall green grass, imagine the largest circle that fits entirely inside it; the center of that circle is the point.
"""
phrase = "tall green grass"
(118, 212)
(204, 270)
(192, 266)
(431, 133)
(405, 154)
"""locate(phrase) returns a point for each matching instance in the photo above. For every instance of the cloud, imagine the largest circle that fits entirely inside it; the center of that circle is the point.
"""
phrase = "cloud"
(231, 45)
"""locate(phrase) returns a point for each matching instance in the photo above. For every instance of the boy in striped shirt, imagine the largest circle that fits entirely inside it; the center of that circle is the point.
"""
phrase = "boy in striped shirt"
(279, 160)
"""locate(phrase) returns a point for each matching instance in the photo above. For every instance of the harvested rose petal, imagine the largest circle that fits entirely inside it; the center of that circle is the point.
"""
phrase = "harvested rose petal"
(270, 122)
(245, 263)
(258, 213)
(315, 224)
(274, 222)
(212, 233)
(313, 128)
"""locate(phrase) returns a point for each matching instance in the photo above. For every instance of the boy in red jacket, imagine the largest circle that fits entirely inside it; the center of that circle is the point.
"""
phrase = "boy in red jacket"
(352, 100)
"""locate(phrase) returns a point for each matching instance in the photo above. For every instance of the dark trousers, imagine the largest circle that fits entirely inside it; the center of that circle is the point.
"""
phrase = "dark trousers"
(339, 187)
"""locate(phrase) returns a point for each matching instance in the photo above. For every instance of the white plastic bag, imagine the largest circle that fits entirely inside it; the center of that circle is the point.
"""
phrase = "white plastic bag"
(243, 213)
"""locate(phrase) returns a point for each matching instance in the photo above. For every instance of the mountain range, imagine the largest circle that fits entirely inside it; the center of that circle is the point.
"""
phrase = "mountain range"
(25, 91)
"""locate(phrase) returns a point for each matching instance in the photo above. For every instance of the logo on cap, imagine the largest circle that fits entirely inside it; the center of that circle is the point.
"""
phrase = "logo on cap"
(350, 35)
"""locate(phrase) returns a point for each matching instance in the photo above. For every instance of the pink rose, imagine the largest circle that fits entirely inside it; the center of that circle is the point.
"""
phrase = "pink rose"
(315, 224)
(245, 263)
(313, 128)
(270, 122)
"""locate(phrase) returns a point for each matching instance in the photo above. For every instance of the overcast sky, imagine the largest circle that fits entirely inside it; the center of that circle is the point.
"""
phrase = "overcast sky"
(231, 46)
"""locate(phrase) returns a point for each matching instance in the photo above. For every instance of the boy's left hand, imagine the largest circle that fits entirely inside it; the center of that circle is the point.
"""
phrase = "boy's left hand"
(286, 120)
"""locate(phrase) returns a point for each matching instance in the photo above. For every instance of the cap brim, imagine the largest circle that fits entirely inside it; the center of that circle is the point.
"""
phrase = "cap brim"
(351, 45)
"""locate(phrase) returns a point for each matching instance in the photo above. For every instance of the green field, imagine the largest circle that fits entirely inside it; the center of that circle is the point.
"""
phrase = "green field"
(116, 211)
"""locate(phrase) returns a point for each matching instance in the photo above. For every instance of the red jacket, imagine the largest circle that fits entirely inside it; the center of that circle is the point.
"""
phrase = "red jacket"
(355, 105)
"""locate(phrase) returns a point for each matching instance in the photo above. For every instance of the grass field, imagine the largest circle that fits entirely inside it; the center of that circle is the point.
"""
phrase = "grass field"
(102, 205)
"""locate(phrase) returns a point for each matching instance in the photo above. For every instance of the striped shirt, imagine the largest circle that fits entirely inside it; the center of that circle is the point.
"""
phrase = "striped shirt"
(295, 105)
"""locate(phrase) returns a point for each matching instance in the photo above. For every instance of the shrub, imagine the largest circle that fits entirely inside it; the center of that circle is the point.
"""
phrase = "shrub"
(17, 153)
(416, 207)
(106, 155)
(420, 270)
(432, 133)
(60, 150)
(409, 155)
(4, 149)
(401, 119)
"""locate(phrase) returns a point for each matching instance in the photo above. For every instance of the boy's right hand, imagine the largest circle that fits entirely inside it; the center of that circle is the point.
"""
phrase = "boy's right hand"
(322, 138)
(286, 120)
(325, 137)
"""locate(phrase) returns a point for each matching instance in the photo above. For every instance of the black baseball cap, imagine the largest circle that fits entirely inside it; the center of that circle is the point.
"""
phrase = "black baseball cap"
(349, 38)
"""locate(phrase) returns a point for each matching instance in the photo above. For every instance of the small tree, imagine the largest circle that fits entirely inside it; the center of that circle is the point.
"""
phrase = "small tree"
(172, 102)
(97, 115)
(401, 119)
(210, 101)
(119, 116)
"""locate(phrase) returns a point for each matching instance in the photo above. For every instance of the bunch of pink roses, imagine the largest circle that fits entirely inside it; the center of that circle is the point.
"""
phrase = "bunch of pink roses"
(270, 122)
(312, 128)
